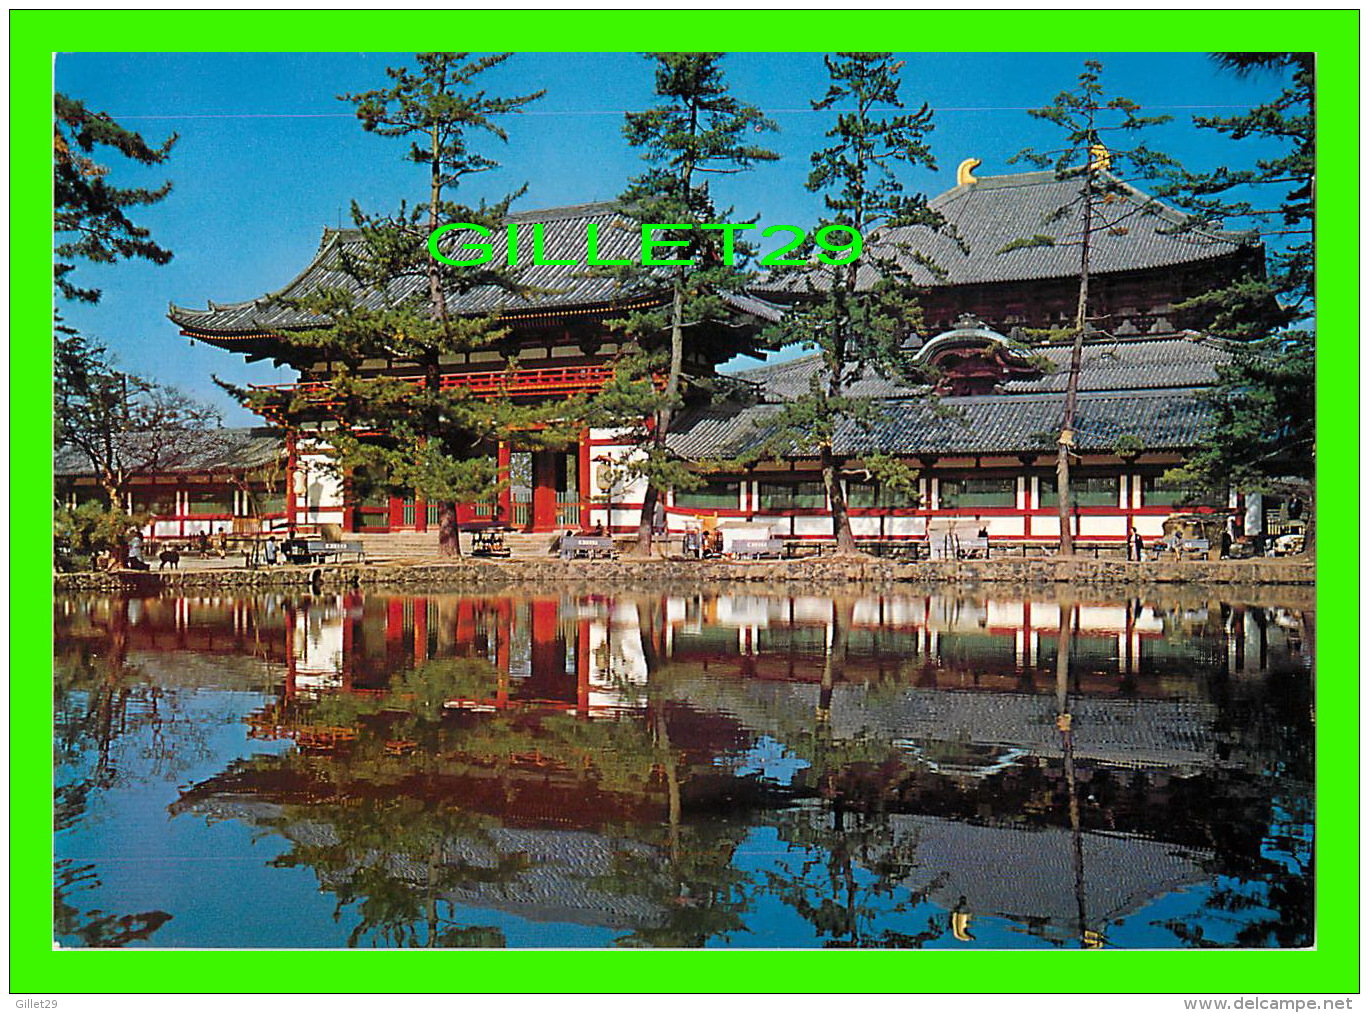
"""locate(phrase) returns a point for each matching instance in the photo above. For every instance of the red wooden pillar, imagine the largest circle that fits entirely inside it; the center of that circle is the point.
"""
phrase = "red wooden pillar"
(290, 672)
(544, 491)
(502, 659)
(548, 653)
(394, 619)
(465, 627)
(504, 512)
(349, 509)
(586, 493)
(291, 463)
(352, 605)
(582, 668)
(420, 631)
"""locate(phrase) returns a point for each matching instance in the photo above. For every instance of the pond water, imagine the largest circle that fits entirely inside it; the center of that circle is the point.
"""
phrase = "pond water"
(756, 768)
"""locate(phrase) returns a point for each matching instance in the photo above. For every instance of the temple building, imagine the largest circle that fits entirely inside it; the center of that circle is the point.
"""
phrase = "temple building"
(984, 446)
(222, 480)
(557, 345)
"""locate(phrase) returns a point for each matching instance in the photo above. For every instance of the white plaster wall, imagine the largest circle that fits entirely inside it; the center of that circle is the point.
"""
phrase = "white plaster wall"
(1147, 621)
(1045, 615)
(1151, 528)
(817, 526)
(865, 527)
(907, 527)
(317, 647)
(614, 660)
(743, 610)
(1102, 617)
(813, 609)
(1004, 527)
(1046, 527)
(1004, 613)
(904, 612)
(1114, 526)
(865, 612)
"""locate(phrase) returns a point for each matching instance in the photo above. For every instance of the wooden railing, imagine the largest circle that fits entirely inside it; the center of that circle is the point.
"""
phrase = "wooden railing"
(562, 380)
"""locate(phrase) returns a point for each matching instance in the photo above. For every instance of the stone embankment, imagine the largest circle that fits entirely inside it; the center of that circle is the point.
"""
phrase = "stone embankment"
(825, 570)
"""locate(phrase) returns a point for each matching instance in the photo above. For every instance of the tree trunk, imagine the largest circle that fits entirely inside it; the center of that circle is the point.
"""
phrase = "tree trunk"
(1062, 462)
(1064, 723)
(1309, 531)
(834, 668)
(448, 532)
(841, 518)
(650, 498)
(664, 415)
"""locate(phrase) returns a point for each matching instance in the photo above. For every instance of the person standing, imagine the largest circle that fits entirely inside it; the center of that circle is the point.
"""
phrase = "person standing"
(270, 550)
(1135, 546)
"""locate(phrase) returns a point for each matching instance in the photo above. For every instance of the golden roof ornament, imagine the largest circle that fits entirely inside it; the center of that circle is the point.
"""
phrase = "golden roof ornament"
(1100, 159)
(964, 173)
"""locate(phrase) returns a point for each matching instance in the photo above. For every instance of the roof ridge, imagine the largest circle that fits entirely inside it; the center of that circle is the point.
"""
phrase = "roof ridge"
(1095, 395)
(586, 209)
(1175, 216)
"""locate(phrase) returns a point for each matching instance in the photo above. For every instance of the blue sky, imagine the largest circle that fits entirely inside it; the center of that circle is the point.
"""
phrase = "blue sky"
(268, 157)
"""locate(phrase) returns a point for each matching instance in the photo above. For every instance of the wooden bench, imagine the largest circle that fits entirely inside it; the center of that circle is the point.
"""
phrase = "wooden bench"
(758, 548)
(587, 547)
(1195, 547)
(974, 548)
(321, 552)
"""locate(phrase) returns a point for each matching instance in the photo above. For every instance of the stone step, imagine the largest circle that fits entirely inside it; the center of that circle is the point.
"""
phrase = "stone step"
(425, 545)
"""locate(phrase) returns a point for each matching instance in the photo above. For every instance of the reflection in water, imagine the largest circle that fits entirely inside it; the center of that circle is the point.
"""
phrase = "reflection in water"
(645, 769)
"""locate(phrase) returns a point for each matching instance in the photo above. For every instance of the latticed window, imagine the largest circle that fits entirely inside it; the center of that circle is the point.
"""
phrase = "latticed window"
(200, 502)
(160, 502)
(1156, 491)
(268, 502)
(1085, 490)
(957, 493)
(875, 494)
(793, 496)
(713, 496)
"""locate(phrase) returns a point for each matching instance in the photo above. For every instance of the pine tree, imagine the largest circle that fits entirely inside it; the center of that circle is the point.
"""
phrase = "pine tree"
(857, 324)
(1264, 435)
(699, 129)
(1087, 118)
(415, 436)
(90, 213)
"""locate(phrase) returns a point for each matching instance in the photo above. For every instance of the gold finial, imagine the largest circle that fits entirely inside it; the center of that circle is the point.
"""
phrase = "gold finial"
(1099, 157)
(964, 175)
(960, 926)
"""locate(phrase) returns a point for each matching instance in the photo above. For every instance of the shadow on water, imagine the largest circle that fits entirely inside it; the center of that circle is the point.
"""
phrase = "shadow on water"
(644, 769)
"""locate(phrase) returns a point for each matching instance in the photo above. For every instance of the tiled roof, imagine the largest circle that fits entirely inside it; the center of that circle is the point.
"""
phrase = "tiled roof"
(1020, 423)
(1131, 364)
(547, 288)
(961, 865)
(196, 451)
(1134, 232)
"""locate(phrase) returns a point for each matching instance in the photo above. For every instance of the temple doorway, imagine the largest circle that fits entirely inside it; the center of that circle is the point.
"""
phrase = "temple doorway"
(544, 489)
